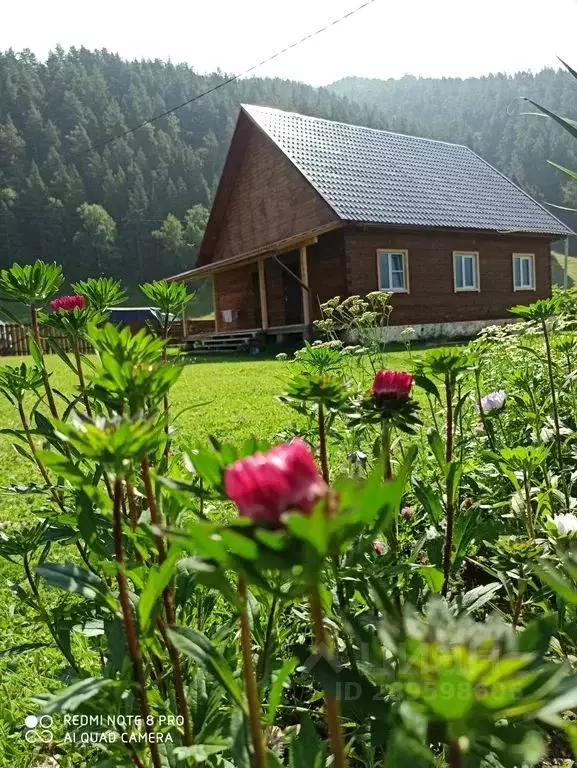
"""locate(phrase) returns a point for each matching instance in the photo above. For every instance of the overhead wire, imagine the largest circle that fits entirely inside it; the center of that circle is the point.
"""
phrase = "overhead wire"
(240, 75)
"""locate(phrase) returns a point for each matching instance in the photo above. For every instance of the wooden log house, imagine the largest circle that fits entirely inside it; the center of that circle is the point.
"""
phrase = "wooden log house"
(308, 209)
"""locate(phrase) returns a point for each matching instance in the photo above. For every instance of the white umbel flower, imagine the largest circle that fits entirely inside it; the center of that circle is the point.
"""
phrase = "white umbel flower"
(565, 524)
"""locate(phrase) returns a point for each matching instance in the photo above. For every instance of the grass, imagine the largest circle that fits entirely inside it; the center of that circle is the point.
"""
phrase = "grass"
(231, 399)
(557, 269)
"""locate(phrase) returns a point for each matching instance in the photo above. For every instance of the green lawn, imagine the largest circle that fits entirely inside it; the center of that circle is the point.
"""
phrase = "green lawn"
(557, 267)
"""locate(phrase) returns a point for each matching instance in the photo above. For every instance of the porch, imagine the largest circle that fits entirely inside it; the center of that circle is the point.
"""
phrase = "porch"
(273, 294)
(240, 341)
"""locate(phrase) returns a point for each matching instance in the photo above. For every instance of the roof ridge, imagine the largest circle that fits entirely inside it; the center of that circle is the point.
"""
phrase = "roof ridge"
(247, 107)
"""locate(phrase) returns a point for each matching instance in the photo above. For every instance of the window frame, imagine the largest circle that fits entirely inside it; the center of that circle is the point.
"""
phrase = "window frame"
(531, 257)
(394, 251)
(467, 289)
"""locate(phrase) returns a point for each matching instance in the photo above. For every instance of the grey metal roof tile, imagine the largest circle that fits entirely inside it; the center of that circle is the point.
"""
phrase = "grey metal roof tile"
(380, 177)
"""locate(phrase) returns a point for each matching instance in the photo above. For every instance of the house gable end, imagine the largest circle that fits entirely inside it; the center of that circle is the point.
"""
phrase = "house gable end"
(262, 198)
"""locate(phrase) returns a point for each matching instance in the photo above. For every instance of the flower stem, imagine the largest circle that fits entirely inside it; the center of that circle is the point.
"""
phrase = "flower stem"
(130, 631)
(517, 610)
(81, 380)
(262, 664)
(132, 507)
(34, 453)
(254, 707)
(168, 599)
(323, 443)
(44, 372)
(454, 755)
(165, 398)
(448, 489)
(528, 507)
(386, 450)
(46, 616)
(555, 409)
(332, 714)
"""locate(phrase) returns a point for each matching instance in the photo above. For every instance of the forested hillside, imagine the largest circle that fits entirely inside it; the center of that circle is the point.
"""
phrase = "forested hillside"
(96, 208)
(136, 207)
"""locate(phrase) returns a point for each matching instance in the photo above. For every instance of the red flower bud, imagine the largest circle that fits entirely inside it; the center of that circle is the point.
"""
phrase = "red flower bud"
(267, 485)
(395, 384)
(68, 303)
(378, 547)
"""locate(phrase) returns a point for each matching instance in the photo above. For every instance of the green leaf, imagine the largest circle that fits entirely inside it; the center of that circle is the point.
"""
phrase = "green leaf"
(16, 650)
(198, 647)
(43, 426)
(477, 597)
(404, 749)
(63, 467)
(277, 686)
(433, 577)
(35, 353)
(436, 445)
(551, 576)
(157, 581)
(565, 701)
(199, 753)
(429, 500)
(73, 579)
(69, 699)
(55, 346)
(313, 529)
(568, 125)
(536, 636)
(306, 748)
(452, 696)
(454, 471)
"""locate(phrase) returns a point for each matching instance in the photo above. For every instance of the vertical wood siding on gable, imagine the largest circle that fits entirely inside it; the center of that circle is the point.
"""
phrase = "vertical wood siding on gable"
(269, 200)
(432, 298)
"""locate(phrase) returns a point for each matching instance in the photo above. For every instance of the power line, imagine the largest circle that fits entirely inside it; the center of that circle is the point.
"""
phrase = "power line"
(241, 74)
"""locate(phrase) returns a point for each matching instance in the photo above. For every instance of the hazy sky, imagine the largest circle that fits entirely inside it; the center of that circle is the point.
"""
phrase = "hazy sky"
(387, 39)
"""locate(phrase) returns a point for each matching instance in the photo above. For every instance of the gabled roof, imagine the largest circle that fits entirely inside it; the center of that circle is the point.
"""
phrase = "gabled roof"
(378, 177)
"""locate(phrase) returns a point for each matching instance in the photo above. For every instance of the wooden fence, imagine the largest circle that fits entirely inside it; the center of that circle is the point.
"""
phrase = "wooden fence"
(14, 340)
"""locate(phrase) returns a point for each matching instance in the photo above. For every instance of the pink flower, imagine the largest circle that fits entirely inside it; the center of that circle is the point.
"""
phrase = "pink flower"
(68, 303)
(266, 485)
(407, 512)
(395, 384)
(378, 547)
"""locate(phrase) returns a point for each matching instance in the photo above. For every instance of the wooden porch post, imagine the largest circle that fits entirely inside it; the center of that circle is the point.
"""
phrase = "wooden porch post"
(305, 290)
(215, 304)
(262, 292)
(185, 323)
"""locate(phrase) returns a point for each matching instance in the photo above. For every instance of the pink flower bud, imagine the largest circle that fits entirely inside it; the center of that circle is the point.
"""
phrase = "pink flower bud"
(68, 303)
(378, 547)
(407, 512)
(266, 485)
(394, 384)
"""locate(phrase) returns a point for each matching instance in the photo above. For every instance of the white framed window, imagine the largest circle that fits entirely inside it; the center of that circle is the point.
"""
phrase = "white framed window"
(523, 271)
(466, 270)
(393, 268)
